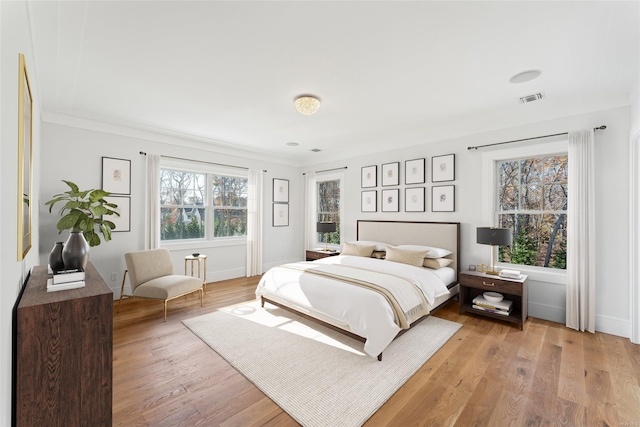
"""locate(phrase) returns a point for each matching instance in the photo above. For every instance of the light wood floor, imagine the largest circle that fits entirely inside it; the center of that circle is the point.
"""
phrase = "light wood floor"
(488, 374)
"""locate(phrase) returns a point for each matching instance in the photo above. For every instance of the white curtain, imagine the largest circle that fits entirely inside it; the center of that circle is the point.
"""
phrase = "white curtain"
(255, 213)
(581, 233)
(310, 220)
(152, 202)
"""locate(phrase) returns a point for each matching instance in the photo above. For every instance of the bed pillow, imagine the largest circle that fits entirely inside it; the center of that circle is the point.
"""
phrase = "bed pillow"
(437, 262)
(405, 256)
(379, 246)
(357, 250)
(431, 251)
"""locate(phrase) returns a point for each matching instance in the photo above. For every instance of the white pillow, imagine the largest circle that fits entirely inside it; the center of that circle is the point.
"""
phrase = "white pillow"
(379, 246)
(437, 263)
(431, 251)
(405, 256)
(357, 250)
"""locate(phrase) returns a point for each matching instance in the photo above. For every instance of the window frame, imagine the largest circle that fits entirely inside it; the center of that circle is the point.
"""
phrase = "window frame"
(490, 198)
(336, 176)
(209, 170)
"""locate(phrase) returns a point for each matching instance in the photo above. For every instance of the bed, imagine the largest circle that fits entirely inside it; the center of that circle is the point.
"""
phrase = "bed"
(343, 292)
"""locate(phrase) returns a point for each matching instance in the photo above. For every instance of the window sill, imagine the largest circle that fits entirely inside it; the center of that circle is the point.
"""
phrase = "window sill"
(197, 244)
(538, 274)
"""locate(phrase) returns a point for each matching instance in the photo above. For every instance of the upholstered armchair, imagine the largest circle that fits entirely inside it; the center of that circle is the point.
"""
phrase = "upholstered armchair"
(151, 276)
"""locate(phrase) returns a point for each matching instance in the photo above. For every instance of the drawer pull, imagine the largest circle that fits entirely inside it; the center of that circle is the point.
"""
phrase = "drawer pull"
(488, 284)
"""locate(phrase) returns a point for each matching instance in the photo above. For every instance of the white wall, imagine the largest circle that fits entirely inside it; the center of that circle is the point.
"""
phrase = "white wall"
(546, 294)
(14, 39)
(75, 154)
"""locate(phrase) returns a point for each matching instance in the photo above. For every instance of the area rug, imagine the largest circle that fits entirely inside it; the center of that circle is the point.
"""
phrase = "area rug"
(318, 376)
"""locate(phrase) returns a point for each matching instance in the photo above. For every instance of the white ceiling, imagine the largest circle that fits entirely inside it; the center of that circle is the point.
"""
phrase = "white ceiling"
(389, 74)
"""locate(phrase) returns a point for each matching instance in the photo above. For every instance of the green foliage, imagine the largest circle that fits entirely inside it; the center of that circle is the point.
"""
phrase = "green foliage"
(524, 250)
(560, 257)
(83, 211)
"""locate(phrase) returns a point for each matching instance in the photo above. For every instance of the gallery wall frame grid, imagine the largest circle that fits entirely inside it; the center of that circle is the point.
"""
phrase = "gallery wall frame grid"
(390, 174)
(443, 168)
(369, 201)
(369, 176)
(414, 199)
(414, 171)
(116, 175)
(390, 200)
(443, 198)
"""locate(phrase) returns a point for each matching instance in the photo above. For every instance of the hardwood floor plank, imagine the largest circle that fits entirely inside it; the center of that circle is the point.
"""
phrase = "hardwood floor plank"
(489, 373)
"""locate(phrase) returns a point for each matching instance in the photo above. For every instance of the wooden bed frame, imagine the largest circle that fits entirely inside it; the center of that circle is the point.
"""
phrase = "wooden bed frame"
(444, 235)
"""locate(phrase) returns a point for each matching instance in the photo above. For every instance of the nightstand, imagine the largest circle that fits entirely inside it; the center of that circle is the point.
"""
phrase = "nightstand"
(473, 283)
(313, 254)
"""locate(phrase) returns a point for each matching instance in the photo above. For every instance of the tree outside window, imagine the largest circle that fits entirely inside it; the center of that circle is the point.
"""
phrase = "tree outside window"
(229, 206)
(328, 208)
(532, 201)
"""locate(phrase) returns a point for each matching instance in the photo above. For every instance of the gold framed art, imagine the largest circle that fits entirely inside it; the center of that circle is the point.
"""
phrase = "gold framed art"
(25, 159)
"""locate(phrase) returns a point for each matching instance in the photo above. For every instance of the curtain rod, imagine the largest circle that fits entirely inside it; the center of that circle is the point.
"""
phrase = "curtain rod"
(527, 139)
(328, 170)
(202, 161)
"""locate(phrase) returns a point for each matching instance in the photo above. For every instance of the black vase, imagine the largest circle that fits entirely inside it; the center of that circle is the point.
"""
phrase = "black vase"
(55, 257)
(76, 251)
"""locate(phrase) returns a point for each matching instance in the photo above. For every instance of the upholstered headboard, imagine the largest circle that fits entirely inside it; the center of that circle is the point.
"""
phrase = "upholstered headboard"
(444, 235)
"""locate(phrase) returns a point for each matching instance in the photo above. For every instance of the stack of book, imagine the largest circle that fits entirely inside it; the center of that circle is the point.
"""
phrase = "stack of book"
(503, 307)
(61, 280)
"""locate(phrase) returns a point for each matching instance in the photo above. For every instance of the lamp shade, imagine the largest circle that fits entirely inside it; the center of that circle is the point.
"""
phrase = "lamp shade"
(494, 236)
(326, 227)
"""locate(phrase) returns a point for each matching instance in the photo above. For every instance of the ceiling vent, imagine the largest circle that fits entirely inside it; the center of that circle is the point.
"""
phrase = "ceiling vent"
(316, 150)
(530, 98)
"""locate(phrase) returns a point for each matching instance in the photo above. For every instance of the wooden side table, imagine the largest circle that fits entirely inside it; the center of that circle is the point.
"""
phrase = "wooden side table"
(312, 255)
(200, 259)
(473, 283)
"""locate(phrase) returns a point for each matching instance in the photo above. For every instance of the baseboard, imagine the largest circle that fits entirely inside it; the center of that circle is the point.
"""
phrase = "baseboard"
(547, 312)
(613, 326)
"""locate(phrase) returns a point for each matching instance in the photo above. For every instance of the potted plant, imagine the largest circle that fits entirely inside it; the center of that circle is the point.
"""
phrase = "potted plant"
(82, 212)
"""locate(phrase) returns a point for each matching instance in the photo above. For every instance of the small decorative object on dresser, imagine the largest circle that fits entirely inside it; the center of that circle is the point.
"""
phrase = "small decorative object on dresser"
(474, 286)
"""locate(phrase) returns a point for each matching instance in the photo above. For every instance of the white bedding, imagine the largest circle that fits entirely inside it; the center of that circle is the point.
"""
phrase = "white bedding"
(359, 310)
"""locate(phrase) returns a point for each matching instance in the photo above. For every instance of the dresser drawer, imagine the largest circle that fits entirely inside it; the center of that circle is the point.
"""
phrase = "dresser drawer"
(495, 284)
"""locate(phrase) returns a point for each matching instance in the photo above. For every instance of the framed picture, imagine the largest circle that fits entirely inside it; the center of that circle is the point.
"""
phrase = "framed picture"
(25, 155)
(116, 175)
(280, 214)
(414, 171)
(414, 199)
(280, 190)
(390, 202)
(369, 202)
(122, 222)
(442, 198)
(369, 176)
(443, 168)
(390, 174)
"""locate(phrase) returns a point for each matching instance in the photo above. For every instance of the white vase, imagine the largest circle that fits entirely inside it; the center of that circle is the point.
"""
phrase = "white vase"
(76, 251)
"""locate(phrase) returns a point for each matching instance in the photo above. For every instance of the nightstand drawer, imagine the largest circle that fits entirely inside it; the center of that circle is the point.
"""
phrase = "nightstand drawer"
(495, 284)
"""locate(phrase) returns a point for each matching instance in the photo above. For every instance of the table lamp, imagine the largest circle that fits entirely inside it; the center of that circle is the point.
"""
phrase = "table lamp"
(494, 237)
(326, 227)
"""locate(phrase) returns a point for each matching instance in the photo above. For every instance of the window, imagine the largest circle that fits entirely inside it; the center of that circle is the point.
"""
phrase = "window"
(328, 207)
(532, 200)
(200, 205)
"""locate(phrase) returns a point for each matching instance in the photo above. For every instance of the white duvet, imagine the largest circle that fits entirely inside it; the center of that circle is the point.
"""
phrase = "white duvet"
(362, 311)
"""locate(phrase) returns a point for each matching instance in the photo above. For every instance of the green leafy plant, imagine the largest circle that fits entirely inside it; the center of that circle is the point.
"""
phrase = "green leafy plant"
(84, 211)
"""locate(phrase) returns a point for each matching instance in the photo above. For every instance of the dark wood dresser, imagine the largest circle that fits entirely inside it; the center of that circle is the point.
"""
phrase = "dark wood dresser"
(64, 353)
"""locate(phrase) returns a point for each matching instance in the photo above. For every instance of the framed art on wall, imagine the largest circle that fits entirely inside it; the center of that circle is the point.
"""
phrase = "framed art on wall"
(122, 222)
(443, 168)
(116, 175)
(414, 171)
(280, 214)
(369, 176)
(25, 172)
(369, 201)
(443, 198)
(280, 190)
(390, 202)
(414, 199)
(390, 174)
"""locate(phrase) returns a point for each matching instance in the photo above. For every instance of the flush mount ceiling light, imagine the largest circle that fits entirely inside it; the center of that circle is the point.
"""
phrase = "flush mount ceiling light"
(525, 76)
(307, 104)
(292, 144)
